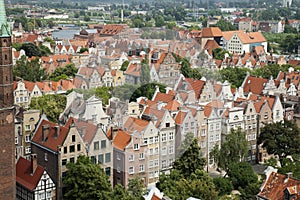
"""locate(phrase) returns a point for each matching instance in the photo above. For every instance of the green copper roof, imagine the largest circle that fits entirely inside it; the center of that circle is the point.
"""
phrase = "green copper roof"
(5, 29)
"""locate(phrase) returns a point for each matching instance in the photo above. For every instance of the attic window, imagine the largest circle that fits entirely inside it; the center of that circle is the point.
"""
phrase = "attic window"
(236, 117)
(249, 81)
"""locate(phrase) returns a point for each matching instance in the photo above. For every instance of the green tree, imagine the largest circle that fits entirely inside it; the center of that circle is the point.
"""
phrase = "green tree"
(219, 53)
(191, 160)
(146, 90)
(280, 138)
(124, 65)
(31, 50)
(85, 180)
(103, 93)
(136, 187)
(120, 193)
(82, 50)
(159, 21)
(232, 150)
(29, 70)
(45, 51)
(223, 185)
(64, 72)
(145, 73)
(199, 185)
(224, 25)
(51, 105)
(235, 75)
(241, 174)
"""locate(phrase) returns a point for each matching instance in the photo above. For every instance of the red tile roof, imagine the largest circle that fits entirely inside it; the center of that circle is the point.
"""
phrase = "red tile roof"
(254, 84)
(133, 69)
(121, 140)
(180, 117)
(197, 86)
(24, 176)
(211, 32)
(210, 46)
(51, 142)
(172, 105)
(135, 124)
(276, 184)
(163, 97)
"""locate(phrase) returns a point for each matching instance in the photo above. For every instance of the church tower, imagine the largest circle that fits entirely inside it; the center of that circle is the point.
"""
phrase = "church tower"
(7, 144)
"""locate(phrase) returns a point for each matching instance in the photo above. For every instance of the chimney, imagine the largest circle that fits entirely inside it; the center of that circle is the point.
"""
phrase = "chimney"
(33, 165)
(45, 132)
(56, 131)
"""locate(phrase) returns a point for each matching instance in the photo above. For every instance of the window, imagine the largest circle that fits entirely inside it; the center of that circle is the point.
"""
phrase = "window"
(203, 132)
(142, 168)
(103, 144)
(217, 137)
(156, 162)
(171, 149)
(72, 160)
(131, 157)
(151, 140)
(78, 147)
(141, 156)
(94, 118)
(203, 144)
(266, 115)
(73, 138)
(164, 164)
(150, 163)
(17, 99)
(27, 150)
(164, 137)
(16, 140)
(150, 151)
(107, 171)
(211, 138)
(171, 162)
(217, 126)
(72, 149)
(248, 117)
(100, 159)
(107, 157)
(64, 162)
(211, 127)
(192, 124)
(156, 150)
(167, 124)
(65, 149)
(131, 170)
(145, 140)
(277, 113)
(171, 136)
(136, 147)
(27, 127)
(25, 99)
(96, 145)
(163, 150)
(156, 139)
(93, 159)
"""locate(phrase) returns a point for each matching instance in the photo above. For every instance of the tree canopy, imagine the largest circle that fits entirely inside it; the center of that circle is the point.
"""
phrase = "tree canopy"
(233, 150)
(85, 180)
(64, 72)
(51, 104)
(280, 138)
(29, 70)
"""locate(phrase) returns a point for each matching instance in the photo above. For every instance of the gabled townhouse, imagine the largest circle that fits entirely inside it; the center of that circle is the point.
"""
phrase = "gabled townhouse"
(52, 62)
(90, 110)
(33, 181)
(213, 112)
(186, 91)
(130, 156)
(118, 77)
(25, 125)
(242, 42)
(24, 91)
(66, 49)
(132, 73)
(89, 77)
(150, 136)
(264, 117)
(164, 69)
(251, 128)
(186, 122)
(55, 146)
(99, 148)
(166, 128)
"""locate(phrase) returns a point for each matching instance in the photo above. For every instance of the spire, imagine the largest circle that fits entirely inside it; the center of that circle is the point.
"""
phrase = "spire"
(4, 27)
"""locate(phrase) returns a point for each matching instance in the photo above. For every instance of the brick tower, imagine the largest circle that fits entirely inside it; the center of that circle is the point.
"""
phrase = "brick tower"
(7, 145)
